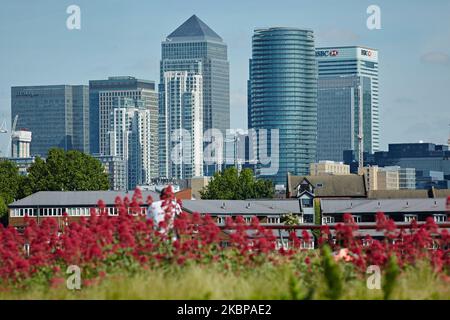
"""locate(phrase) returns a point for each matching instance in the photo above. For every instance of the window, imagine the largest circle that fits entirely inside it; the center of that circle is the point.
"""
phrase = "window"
(273, 220)
(410, 217)
(307, 202)
(247, 219)
(357, 219)
(220, 220)
(327, 220)
(439, 218)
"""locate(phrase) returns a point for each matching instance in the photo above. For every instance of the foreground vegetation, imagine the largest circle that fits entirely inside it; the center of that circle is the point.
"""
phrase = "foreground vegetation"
(129, 257)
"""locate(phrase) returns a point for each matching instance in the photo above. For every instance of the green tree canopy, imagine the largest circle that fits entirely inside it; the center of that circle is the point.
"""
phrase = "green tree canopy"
(10, 186)
(66, 171)
(231, 185)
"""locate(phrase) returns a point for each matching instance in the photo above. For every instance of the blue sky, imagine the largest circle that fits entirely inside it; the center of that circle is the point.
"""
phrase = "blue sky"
(123, 37)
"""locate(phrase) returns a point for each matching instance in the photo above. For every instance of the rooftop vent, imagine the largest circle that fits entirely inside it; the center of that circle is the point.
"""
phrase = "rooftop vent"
(248, 205)
(223, 205)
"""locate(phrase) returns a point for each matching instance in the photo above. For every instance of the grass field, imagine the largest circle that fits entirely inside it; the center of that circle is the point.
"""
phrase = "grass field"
(211, 282)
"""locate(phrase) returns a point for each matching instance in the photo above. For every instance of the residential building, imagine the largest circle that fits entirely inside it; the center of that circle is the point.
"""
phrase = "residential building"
(343, 73)
(129, 137)
(328, 167)
(102, 94)
(183, 123)
(56, 115)
(195, 48)
(407, 176)
(283, 96)
(116, 169)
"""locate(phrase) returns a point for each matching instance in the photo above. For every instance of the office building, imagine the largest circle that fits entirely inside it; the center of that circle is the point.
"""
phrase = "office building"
(129, 137)
(328, 167)
(343, 72)
(194, 47)
(423, 157)
(56, 115)
(20, 144)
(407, 176)
(283, 96)
(101, 98)
(377, 178)
(182, 134)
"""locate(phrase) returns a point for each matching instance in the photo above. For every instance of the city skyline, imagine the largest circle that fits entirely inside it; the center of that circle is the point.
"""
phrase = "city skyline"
(406, 50)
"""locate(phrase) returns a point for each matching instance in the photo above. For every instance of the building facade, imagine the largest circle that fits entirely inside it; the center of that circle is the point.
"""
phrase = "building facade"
(377, 178)
(328, 167)
(283, 96)
(182, 135)
(129, 137)
(195, 47)
(116, 168)
(57, 116)
(21, 144)
(344, 72)
(101, 96)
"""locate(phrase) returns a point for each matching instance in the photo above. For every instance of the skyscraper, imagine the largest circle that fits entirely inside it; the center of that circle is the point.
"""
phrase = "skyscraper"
(196, 48)
(129, 138)
(283, 95)
(183, 125)
(101, 96)
(56, 115)
(342, 72)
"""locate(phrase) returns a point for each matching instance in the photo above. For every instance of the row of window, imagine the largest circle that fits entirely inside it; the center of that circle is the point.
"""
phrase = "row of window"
(72, 212)
(438, 218)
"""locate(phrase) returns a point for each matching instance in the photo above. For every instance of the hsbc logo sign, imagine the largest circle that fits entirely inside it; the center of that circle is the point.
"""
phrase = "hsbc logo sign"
(366, 53)
(327, 53)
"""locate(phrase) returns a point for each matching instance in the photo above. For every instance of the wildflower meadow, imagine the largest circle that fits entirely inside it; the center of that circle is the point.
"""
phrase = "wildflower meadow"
(185, 257)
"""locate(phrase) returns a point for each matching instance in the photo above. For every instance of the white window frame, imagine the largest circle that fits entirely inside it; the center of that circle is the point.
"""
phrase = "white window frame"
(439, 218)
(410, 217)
(327, 220)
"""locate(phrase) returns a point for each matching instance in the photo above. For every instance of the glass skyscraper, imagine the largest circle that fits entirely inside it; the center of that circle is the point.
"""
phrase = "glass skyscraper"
(57, 116)
(283, 95)
(196, 48)
(102, 94)
(342, 71)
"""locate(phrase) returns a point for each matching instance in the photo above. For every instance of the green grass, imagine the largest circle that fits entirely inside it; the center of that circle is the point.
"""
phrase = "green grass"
(264, 282)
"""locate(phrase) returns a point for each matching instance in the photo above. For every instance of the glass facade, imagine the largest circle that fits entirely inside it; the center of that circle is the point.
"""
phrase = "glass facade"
(57, 116)
(341, 71)
(283, 95)
(196, 48)
(338, 116)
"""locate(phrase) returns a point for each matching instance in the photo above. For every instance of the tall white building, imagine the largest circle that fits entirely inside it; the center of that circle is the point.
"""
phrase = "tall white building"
(130, 138)
(182, 125)
(20, 144)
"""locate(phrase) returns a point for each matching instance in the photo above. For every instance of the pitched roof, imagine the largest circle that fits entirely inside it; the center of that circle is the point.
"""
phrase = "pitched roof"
(349, 185)
(194, 28)
(77, 198)
(397, 194)
(251, 207)
(384, 205)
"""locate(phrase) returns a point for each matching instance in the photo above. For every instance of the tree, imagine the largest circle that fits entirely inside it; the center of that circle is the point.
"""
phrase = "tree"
(232, 185)
(10, 186)
(66, 171)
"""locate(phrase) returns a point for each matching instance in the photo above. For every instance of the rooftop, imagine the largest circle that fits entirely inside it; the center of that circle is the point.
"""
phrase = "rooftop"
(194, 29)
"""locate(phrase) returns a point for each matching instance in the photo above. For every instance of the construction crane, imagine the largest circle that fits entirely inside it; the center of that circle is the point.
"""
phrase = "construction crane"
(360, 131)
(3, 129)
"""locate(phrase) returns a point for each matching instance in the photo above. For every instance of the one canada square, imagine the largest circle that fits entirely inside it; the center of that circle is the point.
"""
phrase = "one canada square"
(283, 95)
(195, 49)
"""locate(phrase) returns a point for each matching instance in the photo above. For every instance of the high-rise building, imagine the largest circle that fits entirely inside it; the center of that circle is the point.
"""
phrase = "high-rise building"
(182, 134)
(194, 47)
(343, 72)
(129, 138)
(57, 116)
(283, 95)
(101, 96)
(20, 144)
(115, 168)
(380, 179)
